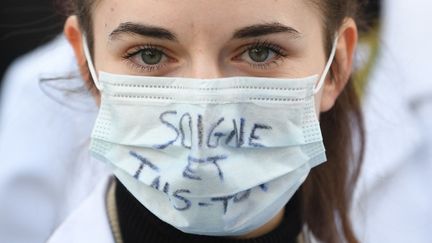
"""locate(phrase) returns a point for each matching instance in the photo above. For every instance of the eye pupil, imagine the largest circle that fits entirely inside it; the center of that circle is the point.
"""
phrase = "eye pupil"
(259, 54)
(151, 57)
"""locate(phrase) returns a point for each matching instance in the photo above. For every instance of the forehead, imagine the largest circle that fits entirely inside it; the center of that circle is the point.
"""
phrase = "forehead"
(214, 17)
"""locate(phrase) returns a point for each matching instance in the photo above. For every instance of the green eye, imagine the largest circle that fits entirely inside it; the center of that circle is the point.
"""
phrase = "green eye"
(259, 54)
(151, 56)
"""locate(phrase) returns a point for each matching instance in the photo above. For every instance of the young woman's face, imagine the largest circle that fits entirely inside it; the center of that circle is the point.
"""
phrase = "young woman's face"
(209, 39)
(219, 38)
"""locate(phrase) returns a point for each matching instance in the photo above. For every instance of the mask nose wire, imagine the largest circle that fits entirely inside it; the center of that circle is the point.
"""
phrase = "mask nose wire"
(328, 65)
(90, 64)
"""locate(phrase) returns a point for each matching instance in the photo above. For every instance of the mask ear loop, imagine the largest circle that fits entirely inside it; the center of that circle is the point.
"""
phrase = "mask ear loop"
(90, 64)
(327, 67)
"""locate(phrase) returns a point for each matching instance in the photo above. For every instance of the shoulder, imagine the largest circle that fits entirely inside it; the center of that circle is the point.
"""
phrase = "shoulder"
(89, 222)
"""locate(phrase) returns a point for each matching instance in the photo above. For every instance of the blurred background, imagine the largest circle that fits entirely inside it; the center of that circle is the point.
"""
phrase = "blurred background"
(24, 25)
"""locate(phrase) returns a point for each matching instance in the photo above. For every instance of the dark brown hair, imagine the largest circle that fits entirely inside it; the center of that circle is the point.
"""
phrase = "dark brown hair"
(325, 196)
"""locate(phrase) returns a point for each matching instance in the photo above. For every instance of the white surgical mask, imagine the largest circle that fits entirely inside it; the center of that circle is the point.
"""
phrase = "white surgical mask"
(209, 156)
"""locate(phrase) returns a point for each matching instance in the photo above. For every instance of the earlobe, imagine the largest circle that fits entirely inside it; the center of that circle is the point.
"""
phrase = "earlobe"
(342, 66)
(73, 34)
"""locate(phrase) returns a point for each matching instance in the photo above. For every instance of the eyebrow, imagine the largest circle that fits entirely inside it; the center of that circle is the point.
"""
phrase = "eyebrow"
(165, 34)
(265, 29)
(143, 30)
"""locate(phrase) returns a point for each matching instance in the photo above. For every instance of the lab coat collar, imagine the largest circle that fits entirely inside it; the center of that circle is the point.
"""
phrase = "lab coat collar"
(89, 222)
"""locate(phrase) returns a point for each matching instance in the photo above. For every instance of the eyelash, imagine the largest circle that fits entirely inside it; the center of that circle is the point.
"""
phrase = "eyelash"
(279, 52)
(137, 50)
(276, 49)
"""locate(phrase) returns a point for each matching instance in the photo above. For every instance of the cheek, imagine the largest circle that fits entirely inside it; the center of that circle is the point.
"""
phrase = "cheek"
(318, 100)
(95, 93)
(97, 98)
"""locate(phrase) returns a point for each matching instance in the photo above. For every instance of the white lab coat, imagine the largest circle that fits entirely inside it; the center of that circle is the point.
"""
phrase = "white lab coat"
(393, 202)
(89, 222)
(45, 167)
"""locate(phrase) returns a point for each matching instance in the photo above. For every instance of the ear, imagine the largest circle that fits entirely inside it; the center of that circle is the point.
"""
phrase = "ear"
(73, 34)
(342, 65)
